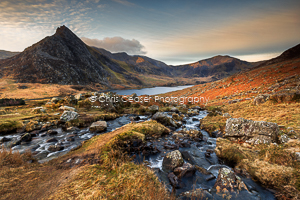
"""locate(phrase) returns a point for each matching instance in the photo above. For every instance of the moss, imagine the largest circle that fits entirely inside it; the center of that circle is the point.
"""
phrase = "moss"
(10, 126)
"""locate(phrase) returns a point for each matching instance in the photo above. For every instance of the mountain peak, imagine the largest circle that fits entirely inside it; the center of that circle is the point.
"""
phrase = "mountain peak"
(63, 31)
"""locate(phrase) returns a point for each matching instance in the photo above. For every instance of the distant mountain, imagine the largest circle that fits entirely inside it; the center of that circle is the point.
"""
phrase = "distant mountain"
(64, 59)
(7, 54)
(218, 66)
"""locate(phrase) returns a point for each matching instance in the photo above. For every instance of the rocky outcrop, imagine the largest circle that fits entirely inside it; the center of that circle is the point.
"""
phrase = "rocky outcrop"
(98, 126)
(254, 132)
(172, 160)
(186, 170)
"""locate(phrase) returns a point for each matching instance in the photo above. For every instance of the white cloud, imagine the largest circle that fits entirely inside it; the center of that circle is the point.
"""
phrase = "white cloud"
(117, 44)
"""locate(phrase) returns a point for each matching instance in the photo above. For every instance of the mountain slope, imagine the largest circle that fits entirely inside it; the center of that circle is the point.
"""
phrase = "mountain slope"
(218, 66)
(64, 59)
(7, 54)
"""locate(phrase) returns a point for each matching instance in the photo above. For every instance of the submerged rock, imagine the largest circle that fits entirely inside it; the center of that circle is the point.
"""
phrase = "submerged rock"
(172, 160)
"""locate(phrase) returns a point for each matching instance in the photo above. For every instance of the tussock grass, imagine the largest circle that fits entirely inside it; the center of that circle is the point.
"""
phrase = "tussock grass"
(116, 177)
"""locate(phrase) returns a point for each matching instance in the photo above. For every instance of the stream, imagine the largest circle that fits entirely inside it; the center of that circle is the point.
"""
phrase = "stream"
(193, 152)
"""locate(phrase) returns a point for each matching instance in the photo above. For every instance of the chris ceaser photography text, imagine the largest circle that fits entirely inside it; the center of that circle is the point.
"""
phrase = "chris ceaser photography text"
(147, 99)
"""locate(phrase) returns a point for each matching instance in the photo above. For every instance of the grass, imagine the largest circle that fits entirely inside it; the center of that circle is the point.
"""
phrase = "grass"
(105, 173)
(116, 177)
(274, 166)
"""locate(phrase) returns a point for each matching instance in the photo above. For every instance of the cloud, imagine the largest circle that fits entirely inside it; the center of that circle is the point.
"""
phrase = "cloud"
(117, 44)
(124, 2)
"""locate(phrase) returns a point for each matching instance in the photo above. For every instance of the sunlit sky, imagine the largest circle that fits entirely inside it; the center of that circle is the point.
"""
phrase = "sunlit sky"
(173, 31)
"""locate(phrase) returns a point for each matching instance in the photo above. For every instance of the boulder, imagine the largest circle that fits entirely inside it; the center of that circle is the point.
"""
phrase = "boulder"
(193, 112)
(261, 99)
(67, 108)
(164, 119)
(5, 139)
(52, 132)
(153, 109)
(70, 137)
(173, 180)
(228, 182)
(175, 116)
(51, 140)
(254, 132)
(186, 170)
(54, 148)
(172, 160)
(216, 134)
(68, 116)
(26, 137)
(98, 126)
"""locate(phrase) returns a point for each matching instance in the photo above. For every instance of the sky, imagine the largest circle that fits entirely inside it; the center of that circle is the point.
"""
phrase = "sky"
(172, 31)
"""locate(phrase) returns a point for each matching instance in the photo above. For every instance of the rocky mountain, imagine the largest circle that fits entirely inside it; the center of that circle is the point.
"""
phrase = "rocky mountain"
(65, 59)
(7, 54)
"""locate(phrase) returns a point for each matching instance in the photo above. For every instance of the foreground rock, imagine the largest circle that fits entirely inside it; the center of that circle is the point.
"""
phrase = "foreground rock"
(228, 182)
(164, 119)
(68, 116)
(254, 132)
(98, 126)
(172, 160)
(186, 170)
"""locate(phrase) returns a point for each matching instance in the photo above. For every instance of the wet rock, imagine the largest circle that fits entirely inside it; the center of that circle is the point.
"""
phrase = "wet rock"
(261, 99)
(227, 183)
(41, 155)
(207, 154)
(172, 160)
(196, 194)
(67, 108)
(194, 133)
(26, 137)
(211, 177)
(35, 133)
(68, 116)
(216, 134)
(70, 137)
(73, 128)
(177, 117)
(52, 132)
(98, 126)
(174, 180)
(197, 108)
(186, 170)
(193, 112)
(51, 140)
(164, 119)
(134, 118)
(5, 139)
(54, 148)
(174, 109)
(284, 139)
(197, 157)
(195, 119)
(153, 109)
(14, 143)
(254, 132)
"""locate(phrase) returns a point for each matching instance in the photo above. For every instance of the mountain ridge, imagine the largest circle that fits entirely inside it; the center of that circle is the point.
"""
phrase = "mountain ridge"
(65, 59)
